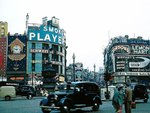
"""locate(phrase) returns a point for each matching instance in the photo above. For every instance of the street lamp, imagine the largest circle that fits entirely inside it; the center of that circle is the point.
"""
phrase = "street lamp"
(73, 57)
(94, 72)
(32, 76)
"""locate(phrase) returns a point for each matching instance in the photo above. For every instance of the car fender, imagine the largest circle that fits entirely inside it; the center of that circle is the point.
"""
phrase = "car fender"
(64, 101)
(44, 102)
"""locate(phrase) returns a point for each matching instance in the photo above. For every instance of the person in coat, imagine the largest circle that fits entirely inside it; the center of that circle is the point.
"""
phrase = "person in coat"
(117, 100)
(128, 99)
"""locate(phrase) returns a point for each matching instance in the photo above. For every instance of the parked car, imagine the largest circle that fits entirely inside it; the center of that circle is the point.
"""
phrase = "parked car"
(74, 95)
(7, 92)
(26, 90)
(140, 92)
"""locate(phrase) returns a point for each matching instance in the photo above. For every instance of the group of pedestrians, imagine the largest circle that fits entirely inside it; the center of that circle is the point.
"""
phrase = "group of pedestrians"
(122, 96)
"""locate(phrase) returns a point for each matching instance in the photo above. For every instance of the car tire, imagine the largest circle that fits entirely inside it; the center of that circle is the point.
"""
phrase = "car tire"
(7, 98)
(95, 105)
(45, 110)
(65, 109)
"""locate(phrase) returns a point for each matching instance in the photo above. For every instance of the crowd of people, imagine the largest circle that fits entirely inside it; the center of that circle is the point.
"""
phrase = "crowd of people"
(122, 96)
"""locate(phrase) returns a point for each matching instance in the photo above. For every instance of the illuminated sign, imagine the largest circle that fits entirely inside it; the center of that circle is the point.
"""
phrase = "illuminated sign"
(134, 73)
(121, 47)
(140, 49)
(132, 63)
(46, 34)
(140, 64)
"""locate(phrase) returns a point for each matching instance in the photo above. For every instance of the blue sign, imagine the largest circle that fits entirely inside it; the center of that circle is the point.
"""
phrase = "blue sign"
(46, 34)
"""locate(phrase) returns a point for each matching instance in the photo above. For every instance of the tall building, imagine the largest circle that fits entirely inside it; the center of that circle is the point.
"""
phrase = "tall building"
(3, 29)
(128, 60)
(46, 45)
(42, 47)
(3, 49)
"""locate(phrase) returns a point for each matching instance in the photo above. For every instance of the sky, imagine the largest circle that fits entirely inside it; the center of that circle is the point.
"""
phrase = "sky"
(89, 24)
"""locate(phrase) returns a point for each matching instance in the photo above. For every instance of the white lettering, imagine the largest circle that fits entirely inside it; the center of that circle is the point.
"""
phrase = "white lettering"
(47, 37)
(54, 37)
(56, 30)
(51, 29)
(59, 40)
(38, 37)
(45, 28)
(31, 35)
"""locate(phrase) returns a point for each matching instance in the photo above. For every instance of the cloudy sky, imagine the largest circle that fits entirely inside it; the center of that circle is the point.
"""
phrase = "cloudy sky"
(89, 24)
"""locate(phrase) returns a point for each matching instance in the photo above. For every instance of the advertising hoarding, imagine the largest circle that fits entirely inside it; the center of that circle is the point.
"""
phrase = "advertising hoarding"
(132, 63)
(16, 59)
(46, 34)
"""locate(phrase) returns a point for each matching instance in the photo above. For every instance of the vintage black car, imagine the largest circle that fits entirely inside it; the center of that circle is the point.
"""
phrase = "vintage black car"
(140, 92)
(74, 95)
(26, 90)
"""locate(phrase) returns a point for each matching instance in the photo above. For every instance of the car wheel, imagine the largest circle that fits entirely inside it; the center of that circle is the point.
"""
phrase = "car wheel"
(65, 109)
(45, 110)
(29, 96)
(95, 106)
(145, 100)
(7, 98)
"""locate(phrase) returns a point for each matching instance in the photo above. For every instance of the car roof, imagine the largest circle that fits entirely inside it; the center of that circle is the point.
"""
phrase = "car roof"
(83, 82)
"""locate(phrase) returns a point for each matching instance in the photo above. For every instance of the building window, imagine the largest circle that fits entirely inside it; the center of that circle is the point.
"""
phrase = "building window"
(33, 45)
(61, 49)
(33, 56)
(45, 46)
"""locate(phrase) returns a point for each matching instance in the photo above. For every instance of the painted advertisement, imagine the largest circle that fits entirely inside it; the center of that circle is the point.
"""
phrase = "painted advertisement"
(16, 59)
(132, 63)
(46, 34)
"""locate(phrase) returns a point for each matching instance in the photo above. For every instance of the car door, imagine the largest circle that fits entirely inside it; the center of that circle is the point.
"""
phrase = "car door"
(80, 96)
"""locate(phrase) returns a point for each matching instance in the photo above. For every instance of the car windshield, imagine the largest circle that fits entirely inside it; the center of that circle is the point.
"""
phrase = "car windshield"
(64, 87)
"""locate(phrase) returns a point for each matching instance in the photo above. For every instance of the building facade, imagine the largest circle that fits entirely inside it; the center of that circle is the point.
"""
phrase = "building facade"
(3, 29)
(128, 60)
(46, 44)
(3, 50)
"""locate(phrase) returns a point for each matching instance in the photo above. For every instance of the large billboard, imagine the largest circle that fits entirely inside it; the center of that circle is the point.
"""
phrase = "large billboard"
(46, 34)
(16, 59)
(132, 63)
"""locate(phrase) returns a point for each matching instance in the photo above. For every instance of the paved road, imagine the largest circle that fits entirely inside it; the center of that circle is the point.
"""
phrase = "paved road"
(22, 105)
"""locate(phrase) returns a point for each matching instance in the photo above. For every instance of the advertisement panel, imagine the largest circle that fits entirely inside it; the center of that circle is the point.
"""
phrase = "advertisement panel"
(16, 59)
(46, 34)
(132, 63)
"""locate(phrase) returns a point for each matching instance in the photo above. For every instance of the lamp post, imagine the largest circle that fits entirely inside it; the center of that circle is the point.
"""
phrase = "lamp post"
(32, 76)
(94, 73)
(73, 57)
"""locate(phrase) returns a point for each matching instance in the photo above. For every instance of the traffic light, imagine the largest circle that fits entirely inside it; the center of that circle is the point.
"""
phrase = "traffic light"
(107, 76)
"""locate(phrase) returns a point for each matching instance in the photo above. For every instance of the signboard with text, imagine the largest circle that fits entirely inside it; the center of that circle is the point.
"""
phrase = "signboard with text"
(132, 63)
(46, 34)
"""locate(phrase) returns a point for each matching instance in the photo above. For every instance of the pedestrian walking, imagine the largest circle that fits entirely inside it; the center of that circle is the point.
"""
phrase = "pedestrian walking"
(128, 99)
(117, 100)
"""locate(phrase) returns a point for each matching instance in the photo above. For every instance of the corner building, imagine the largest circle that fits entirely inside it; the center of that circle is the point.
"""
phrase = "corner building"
(128, 60)
(46, 44)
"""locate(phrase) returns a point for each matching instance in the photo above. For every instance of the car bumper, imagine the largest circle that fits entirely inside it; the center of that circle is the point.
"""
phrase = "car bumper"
(49, 107)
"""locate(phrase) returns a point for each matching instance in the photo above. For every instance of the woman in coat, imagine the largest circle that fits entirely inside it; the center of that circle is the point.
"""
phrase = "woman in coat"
(117, 100)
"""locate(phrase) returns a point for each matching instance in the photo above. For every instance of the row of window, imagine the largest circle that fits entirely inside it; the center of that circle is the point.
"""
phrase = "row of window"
(46, 58)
